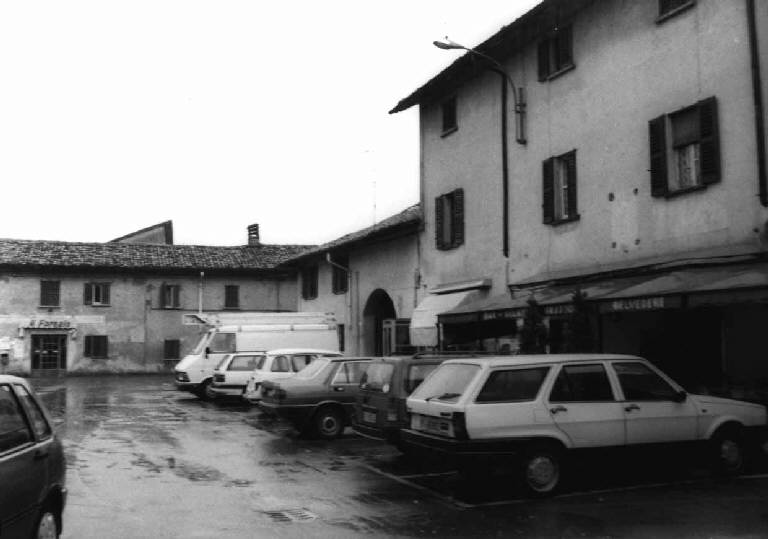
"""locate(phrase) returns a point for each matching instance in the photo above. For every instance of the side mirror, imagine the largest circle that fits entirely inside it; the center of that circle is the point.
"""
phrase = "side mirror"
(207, 351)
(680, 396)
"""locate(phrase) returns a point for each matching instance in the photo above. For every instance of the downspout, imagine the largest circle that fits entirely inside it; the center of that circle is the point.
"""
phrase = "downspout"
(758, 99)
(504, 167)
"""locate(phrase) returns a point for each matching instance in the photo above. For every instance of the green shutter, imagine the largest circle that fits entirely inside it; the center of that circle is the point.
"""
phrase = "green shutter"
(658, 150)
(548, 191)
(570, 165)
(457, 218)
(709, 142)
(439, 222)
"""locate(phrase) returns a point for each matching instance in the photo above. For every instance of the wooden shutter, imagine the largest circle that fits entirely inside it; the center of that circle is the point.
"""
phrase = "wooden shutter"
(657, 131)
(162, 295)
(710, 141)
(564, 44)
(439, 223)
(103, 346)
(548, 191)
(457, 218)
(544, 60)
(105, 293)
(88, 346)
(87, 294)
(570, 166)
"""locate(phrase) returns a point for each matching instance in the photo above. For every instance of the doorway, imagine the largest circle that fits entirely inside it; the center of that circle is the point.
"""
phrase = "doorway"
(49, 353)
(378, 308)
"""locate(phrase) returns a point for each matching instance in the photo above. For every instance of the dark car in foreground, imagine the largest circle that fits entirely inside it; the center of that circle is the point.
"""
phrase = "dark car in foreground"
(32, 491)
(319, 399)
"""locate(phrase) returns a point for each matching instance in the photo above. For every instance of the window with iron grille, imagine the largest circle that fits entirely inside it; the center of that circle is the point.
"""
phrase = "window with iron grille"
(685, 149)
(172, 349)
(96, 346)
(231, 296)
(669, 7)
(556, 53)
(309, 282)
(559, 203)
(339, 277)
(96, 294)
(49, 293)
(448, 109)
(449, 220)
(169, 296)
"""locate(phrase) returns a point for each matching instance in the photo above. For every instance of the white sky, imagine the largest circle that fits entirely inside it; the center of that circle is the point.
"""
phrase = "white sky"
(116, 115)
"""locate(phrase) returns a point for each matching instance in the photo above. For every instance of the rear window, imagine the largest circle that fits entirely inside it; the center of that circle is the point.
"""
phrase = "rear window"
(416, 375)
(313, 368)
(378, 377)
(514, 385)
(447, 383)
(244, 363)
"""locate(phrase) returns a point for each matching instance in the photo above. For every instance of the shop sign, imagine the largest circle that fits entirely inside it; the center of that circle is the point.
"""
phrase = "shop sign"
(48, 324)
(506, 314)
(558, 310)
(636, 304)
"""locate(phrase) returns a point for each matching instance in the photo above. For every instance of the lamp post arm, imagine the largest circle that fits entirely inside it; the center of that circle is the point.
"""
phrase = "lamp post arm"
(498, 68)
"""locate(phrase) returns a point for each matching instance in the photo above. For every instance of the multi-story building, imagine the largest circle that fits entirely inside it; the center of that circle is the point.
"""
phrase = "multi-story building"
(118, 306)
(617, 149)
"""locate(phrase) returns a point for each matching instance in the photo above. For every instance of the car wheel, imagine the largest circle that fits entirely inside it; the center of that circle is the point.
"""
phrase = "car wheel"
(46, 526)
(727, 452)
(329, 422)
(541, 470)
(202, 391)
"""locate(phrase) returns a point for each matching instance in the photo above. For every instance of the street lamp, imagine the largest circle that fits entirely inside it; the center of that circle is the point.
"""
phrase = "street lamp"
(518, 94)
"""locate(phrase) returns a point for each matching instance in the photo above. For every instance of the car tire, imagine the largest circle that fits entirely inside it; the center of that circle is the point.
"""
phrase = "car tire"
(202, 391)
(728, 452)
(329, 422)
(47, 525)
(541, 470)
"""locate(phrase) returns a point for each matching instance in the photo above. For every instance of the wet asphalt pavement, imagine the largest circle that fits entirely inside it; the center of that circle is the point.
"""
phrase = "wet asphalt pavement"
(145, 460)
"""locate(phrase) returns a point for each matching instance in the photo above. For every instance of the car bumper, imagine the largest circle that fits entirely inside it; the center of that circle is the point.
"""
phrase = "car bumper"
(297, 414)
(190, 387)
(225, 391)
(461, 450)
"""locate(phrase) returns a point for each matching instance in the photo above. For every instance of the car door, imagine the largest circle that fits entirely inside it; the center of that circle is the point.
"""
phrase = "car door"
(240, 369)
(583, 405)
(346, 381)
(23, 470)
(655, 410)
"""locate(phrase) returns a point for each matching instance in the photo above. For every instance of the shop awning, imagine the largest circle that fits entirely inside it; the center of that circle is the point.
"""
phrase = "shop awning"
(424, 318)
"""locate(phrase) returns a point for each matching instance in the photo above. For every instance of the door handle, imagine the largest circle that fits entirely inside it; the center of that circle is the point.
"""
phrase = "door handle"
(338, 388)
(631, 407)
(557, 409)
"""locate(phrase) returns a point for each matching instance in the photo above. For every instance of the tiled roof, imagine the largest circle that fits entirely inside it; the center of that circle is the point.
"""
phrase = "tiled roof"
(407, 220)
(134, 256)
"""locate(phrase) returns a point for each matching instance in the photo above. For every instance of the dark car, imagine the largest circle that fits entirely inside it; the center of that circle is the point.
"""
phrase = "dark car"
(380, 410)
(320, 398)
(32, 492)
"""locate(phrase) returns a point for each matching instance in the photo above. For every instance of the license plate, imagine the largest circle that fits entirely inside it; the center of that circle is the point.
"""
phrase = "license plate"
(369, 417)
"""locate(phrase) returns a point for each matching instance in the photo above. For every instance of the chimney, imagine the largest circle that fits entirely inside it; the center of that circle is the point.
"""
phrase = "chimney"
(253, 235)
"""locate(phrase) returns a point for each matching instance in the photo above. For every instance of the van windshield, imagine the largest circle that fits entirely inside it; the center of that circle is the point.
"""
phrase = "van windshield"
(313, 368)
(200, 347)
(447, 383)
(223, 343)
(377, 377)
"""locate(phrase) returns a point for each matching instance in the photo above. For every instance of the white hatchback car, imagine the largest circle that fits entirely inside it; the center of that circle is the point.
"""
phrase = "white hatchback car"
(532, 410)
(236, 371)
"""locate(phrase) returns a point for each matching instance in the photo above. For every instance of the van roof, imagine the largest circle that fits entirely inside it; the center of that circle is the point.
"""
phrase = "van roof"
(536, 359)
(304, 351)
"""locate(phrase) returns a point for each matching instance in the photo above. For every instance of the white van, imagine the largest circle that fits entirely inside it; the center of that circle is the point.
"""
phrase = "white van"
(240, 369)
(253, 332)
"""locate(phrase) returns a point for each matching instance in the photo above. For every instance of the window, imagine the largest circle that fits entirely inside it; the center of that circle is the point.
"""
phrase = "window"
(448, 109)
(281, 364)
(350, 373)
(556, 53)
(14, 431)
(244, 363)
(231, 296)
(172, 349)
(582, 383)
(448, 382)
(685, 149)
(449, 220)
(169, 296)
(340, 281)
(96, 346)
(222, 343)
(670, 7)
(340, 334)
(378, 377)
(416, 375)
(49, 293)
(559, 189)
(309, 282)
(517, 385)
(96, 294)
(299, 361)
(640, 383)
(39, 424)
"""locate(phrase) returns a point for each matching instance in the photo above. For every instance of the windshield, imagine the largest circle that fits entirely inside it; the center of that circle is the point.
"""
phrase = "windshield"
(378, 377)
(447, 383)
(223, 362)
(201, 343)
(313, 368)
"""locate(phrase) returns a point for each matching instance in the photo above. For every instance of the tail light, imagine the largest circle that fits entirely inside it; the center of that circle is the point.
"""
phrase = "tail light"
(460, 426)
(218, 378)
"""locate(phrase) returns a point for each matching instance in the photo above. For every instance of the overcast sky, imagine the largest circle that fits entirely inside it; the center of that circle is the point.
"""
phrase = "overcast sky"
(116, 115)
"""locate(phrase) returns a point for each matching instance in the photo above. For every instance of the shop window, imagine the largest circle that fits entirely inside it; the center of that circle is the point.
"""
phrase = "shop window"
(309, 282)
(556, 54)
(96, 294)
(49, 293)
(517, 385)
(685, 149)
(582, 383)
(169, 296)
(172, 349)
(96, 346)
(340, 280)
(448, 110)
(449, 220)
(668, 8)
(559, 189)
(231, 296)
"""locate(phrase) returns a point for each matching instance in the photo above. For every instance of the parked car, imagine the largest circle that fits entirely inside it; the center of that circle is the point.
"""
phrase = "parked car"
(320, 398)
(380, 410)
(32, 491)
(535, 410)
(278, 365)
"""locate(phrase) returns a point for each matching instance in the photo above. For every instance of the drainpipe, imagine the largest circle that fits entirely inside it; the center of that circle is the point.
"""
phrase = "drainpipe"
(757, 94)
(200, 295)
